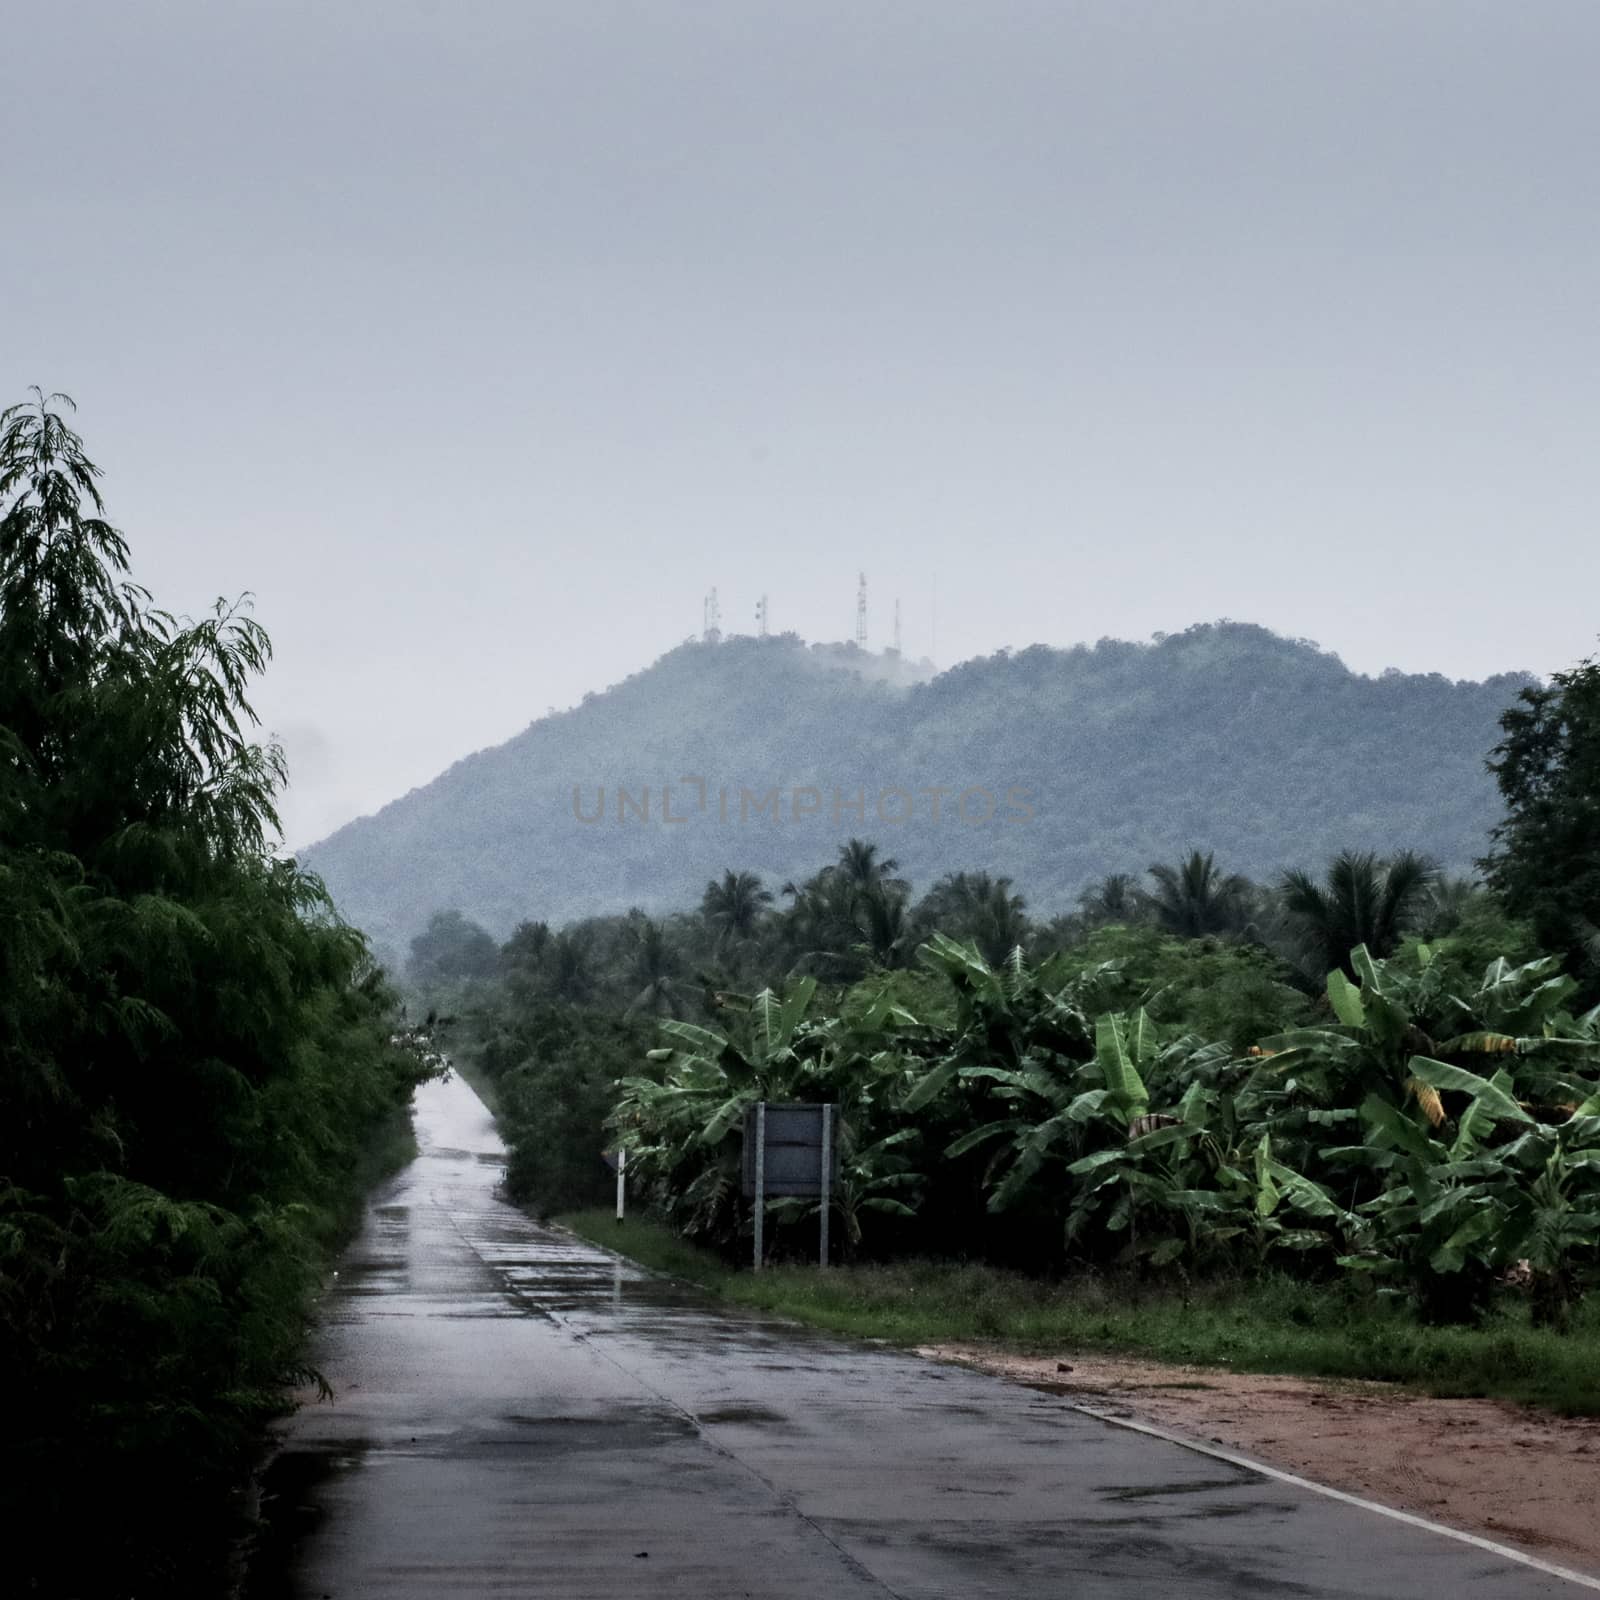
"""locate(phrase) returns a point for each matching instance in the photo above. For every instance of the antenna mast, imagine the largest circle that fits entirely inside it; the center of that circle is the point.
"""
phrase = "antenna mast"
(861, 611)
(761, 617)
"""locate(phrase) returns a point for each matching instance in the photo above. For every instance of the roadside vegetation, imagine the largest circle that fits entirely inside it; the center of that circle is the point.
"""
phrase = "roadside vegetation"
(1368, 1093)
(1270, 1323)
(200, 1070)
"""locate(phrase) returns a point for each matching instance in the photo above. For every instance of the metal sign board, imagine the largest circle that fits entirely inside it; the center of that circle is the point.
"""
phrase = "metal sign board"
(793, 1155)
(790, 1150)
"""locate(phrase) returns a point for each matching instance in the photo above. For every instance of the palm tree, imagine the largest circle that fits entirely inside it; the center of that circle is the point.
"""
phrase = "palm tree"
(977, 908)
(1002, 922)
(1447, 901)
(734, 906)
(653, 969)
(1362, 900)
(861, 866)
(885, 929)
(568, 972)
(822, 929)
(1115, 898)
(1195, 898)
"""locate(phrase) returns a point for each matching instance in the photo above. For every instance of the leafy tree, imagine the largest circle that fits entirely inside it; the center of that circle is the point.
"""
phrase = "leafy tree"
(1216, 989)
(554, 1068)
(524, 952)
(1545, 861)
(569, 972)
(1471, 935)
(682, 1131)
(451, 948)
(198, 1056)
(822, 928)
(849, 915)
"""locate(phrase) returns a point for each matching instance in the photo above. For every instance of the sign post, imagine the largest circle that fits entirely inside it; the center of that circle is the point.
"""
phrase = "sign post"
(826, 1175)
(790, 1151)
(761, 1176)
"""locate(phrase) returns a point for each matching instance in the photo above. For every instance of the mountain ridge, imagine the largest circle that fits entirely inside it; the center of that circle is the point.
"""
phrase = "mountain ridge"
(1267, 749)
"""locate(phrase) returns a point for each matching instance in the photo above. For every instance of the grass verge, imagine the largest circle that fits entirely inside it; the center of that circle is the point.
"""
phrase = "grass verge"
(1269, 1324)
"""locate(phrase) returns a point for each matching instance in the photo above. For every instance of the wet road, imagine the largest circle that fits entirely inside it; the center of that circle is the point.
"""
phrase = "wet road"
(520, 1414)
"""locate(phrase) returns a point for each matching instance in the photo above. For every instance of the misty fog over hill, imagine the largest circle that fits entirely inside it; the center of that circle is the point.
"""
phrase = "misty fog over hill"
(1051, 766)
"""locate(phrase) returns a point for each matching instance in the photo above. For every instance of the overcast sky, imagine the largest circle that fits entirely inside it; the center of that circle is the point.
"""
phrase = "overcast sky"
(480, 338)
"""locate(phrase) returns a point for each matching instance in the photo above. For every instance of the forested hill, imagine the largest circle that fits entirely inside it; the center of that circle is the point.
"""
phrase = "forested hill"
(1226, 737)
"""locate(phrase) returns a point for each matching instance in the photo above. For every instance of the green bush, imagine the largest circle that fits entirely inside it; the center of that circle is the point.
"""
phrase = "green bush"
(196, 1058)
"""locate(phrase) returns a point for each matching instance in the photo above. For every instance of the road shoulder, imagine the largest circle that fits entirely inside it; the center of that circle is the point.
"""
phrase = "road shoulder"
(1521, 1477)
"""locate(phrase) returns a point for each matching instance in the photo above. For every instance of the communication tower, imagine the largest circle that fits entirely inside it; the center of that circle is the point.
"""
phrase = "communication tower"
(861, 610)
(711, 618)
(897, 626)
(761, 617)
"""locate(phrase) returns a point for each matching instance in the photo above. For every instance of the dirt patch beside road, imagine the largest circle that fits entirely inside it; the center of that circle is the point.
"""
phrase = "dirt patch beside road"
(1521, 1477)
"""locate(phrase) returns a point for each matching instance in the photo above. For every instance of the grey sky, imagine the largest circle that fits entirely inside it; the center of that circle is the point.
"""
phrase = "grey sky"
(480, 339)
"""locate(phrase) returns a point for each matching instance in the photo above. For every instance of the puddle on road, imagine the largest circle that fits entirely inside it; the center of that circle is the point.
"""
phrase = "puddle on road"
(631, 1431)
(371, 1277)
(763, 1416)
(1148, 1491)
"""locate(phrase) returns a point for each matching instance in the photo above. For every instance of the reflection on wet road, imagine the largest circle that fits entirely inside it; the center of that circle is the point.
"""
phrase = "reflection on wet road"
(520, 1414)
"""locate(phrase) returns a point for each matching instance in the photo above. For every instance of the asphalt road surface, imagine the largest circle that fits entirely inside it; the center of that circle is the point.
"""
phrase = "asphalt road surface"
(517, 1413)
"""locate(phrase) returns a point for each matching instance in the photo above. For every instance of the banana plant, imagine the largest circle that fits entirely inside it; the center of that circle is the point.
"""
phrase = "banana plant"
(1477, 1172)
(678, 1128)
(1056, 1104)
(879, 1177)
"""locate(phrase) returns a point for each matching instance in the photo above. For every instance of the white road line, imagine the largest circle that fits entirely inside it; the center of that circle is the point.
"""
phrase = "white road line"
(1233, 1458)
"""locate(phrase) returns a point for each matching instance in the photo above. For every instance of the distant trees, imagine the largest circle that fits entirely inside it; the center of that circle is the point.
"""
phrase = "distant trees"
(451, 948)
(1449, 901)
(1206, 952)
(849, 915)
(887, 935)
(976, 907)
(568, 972)
(1114, 898)
(861, 866)
(1362, 900)
(525, 949)
(1195, 898)
(1545, 860)
(734, 905)
(856, 914)
(655, 965)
